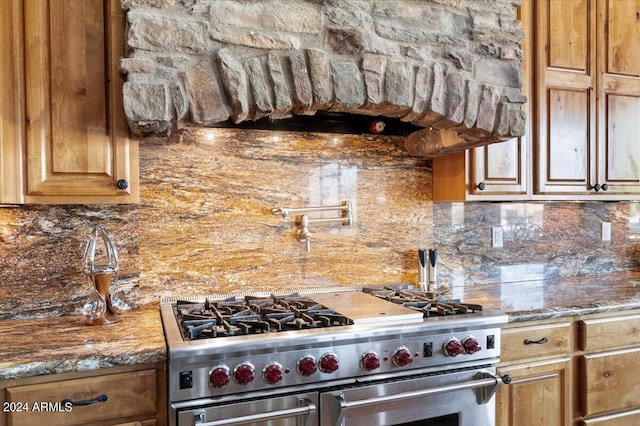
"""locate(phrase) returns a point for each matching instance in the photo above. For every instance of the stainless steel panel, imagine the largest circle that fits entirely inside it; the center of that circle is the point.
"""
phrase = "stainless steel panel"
(469, 394)
(292, 410)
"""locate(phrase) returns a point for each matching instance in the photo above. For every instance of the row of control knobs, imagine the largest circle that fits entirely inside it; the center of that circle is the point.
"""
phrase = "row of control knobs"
(244, 373)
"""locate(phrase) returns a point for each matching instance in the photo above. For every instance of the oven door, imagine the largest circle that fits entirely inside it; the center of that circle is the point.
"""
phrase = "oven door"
(461, 398)
(291, 410)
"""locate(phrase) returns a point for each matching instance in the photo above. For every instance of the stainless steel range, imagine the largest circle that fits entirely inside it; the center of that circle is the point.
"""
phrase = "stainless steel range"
(344, 356)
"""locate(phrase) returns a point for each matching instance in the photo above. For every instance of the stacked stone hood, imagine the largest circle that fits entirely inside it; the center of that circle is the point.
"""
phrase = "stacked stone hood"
(451, 67)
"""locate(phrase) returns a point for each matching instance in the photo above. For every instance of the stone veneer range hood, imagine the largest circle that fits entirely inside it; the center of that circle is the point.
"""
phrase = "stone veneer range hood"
(451, 67)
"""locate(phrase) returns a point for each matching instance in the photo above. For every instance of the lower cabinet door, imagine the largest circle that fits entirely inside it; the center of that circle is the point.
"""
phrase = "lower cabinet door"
(539, 394)
(611, 382)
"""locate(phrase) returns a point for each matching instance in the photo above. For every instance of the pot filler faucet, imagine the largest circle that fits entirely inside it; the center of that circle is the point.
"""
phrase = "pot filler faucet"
(304, 233)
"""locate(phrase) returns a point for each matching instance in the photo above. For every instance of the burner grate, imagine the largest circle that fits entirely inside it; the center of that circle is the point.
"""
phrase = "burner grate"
(430, 303)
(253, 315)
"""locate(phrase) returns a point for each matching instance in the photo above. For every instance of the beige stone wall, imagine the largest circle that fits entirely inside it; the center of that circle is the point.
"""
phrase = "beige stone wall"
(437, 64)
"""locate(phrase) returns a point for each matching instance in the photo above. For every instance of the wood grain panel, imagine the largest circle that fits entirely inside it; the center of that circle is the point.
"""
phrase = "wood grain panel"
(557, 336)
(78, 96)
(502, 161)
(568, 34)
(623, 138)
(568, 140)
(621, 37)
(11, 101)
(128, 395)
(605, 333)
(611, 381)
(537, 395)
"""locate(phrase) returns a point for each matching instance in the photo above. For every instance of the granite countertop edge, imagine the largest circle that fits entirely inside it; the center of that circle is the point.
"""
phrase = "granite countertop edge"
(565, 311)
(43, 346)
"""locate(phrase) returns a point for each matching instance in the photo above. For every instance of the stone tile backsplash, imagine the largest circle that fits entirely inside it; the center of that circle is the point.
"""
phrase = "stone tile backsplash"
(204, 225)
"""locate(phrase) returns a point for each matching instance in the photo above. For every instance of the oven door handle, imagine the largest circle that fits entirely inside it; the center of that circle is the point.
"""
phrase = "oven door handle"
(307, 410)
(488, 381)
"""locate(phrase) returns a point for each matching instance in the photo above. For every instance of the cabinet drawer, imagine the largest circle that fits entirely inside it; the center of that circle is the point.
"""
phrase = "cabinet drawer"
(611, 381)
(127, 395)
(605, 333)
(535, 341)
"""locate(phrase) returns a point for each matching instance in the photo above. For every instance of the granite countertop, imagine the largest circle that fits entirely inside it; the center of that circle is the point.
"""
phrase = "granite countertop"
(554, 298)
(56, 345)
(33, 347)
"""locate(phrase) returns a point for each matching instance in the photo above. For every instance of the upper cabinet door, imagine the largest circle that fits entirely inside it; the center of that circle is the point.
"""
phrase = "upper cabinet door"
(78, 148)
(619, 96)
(499, 169)
(566, 125)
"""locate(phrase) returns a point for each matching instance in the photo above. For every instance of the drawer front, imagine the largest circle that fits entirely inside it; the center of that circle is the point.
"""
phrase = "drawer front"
(606, 333)
(611, 381)
(535, 341)
(125, 395)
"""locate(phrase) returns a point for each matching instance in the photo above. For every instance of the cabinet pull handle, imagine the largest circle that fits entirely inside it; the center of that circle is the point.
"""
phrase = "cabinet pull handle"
(536, 342)
(100, 398)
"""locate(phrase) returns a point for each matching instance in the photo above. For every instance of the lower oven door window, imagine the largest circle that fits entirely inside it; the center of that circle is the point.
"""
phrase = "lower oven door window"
(460, 399)
(293, 410)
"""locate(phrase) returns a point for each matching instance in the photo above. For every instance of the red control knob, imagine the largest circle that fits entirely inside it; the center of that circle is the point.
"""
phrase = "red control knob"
(369, 361)
(244, 373)
(471, 345)
(453, 347)
(272, 373)
(329, 363)
(402, 357)
(220, 376)
(307, 365)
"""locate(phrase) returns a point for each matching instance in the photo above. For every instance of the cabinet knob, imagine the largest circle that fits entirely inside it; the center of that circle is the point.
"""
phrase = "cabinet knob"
(122, 184)
(481, 186)
(605, 186)
(597, 187)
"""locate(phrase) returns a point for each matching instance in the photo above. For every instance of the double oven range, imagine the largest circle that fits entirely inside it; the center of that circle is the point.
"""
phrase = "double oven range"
(343, 356)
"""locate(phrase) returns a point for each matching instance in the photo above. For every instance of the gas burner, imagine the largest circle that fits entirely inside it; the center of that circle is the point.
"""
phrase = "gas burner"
(253, 315)
(430, 303)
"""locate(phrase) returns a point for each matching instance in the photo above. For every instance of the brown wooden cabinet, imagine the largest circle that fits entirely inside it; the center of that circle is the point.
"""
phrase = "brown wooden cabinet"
(120, 396)
(610, 379)
(64, 135)
(538, 359)
(588, 98)
(583, 112)
(571, 371)
(494, 172)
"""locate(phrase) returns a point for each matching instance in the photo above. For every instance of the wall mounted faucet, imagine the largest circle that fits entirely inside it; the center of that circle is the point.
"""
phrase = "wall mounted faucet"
(304, 233)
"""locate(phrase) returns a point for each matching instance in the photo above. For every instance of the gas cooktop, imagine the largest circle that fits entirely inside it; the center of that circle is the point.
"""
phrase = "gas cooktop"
(230, 344)
(233, 316)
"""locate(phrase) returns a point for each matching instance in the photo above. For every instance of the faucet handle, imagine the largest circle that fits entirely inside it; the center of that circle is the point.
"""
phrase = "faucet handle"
(308, 242)
(304, 234)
